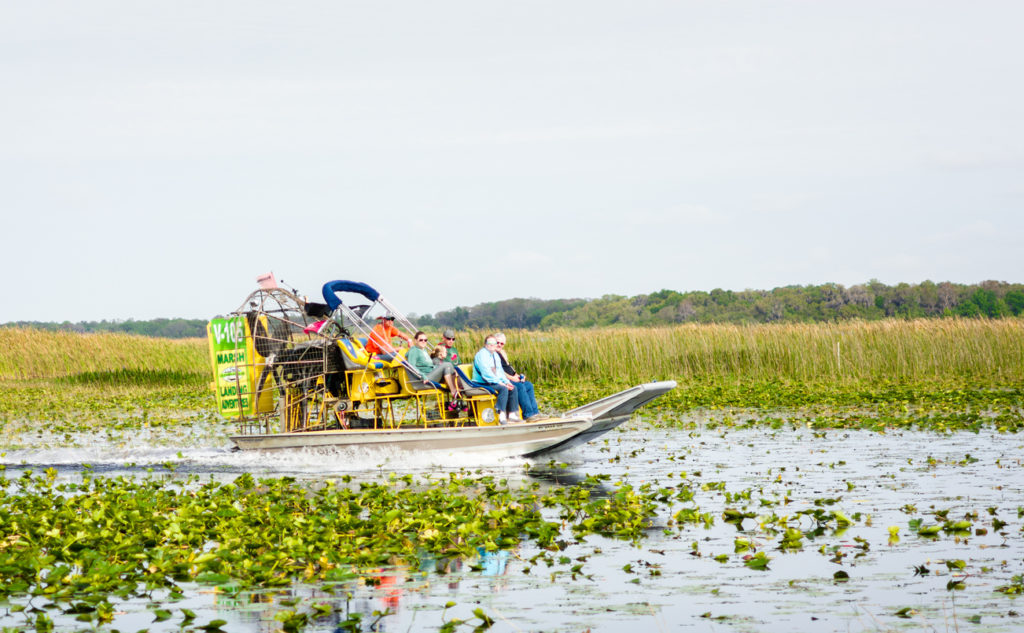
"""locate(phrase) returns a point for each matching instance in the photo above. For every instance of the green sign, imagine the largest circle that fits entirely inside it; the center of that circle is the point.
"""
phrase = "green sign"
(232, 369)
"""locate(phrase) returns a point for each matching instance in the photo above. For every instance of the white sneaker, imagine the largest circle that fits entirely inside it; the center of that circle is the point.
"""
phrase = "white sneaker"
(514, 417)
(501, 418)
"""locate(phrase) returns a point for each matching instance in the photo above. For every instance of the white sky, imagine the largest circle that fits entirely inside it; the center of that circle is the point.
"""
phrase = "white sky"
(155, 157)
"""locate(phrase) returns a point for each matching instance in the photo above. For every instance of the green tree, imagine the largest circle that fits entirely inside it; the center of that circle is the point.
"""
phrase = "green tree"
(1015, 301)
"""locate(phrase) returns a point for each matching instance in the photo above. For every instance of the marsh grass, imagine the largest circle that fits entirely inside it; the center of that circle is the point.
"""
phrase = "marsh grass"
(157, 377)
(987, 351)
(742, 365)
(106, 358)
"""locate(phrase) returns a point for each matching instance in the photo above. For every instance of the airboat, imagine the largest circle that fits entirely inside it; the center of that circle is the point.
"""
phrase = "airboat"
(296, 374)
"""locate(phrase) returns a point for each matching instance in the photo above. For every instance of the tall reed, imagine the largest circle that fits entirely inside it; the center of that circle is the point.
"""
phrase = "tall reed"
(989, 351)
(30, 353)
(984, 351)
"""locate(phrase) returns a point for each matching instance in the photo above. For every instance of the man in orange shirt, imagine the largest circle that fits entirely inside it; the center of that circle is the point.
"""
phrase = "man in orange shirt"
(379, 341)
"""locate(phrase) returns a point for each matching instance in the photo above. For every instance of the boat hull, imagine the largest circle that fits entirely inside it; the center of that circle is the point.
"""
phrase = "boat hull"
(609, 412)
(510, 440)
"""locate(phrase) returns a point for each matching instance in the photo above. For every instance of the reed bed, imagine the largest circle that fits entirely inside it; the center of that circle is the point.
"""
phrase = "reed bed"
(980, 351)
(33, 354)
(983, 351)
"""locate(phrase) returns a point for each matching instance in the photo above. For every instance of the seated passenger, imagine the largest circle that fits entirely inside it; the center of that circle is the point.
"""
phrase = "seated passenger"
(527, 399)
(379, 341)
(487, 370)
(448, 342)
(434, 371)
(439, 353)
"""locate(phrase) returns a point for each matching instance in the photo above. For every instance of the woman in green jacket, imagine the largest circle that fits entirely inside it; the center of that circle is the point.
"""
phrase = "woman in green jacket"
(419, 359)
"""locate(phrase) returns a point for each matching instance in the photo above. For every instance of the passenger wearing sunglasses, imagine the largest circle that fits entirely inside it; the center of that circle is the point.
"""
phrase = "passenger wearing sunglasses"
(527, 399)
(448, 340)
(487, 370)
(379, 341)
(422, 363)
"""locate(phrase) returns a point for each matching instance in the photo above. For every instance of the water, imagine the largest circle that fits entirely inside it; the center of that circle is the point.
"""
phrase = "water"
(672, 580)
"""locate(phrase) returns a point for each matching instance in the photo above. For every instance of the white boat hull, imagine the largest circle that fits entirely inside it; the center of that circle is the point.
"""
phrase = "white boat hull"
(610, 412)
(574, 428)
(524, 438)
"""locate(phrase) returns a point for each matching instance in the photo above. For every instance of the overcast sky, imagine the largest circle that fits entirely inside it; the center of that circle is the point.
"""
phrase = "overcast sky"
(155, 157)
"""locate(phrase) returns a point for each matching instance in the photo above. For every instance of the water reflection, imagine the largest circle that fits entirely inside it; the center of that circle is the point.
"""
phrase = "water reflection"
(565, 475)
(378, 600)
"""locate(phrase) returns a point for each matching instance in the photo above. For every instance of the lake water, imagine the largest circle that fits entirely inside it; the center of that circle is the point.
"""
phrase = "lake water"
(672, 580)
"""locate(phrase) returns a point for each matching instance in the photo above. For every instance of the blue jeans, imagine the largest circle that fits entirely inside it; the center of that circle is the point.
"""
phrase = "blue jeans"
(527, 400)
(507, 401)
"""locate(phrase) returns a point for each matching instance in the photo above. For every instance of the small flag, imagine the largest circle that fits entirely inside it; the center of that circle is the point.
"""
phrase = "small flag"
(267, 281)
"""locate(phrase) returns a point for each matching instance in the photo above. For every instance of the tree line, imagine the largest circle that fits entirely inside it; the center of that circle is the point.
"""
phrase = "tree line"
(789, 304)
(801, 304)
(158, 328)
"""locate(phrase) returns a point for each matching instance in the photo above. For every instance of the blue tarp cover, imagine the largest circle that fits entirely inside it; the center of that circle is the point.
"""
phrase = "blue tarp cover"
(340, 285)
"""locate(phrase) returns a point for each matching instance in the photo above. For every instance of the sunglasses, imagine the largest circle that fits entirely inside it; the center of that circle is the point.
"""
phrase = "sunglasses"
(421, 340)
(449, 338)
(501, 343)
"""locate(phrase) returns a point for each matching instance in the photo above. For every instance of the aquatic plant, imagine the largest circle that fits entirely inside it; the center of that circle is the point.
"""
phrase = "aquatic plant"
(80, 551)
(1014, 588)
(86, 545)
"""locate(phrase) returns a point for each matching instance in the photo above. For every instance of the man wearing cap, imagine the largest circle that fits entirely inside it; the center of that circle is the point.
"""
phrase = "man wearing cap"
(379, 341)
(452, 354)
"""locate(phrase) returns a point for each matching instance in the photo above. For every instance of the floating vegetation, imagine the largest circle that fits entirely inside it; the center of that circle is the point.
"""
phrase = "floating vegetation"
(795, 492)
(1014, 588)
(84, 547)
(93, 546)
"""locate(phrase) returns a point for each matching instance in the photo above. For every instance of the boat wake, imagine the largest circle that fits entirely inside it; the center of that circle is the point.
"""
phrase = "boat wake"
(228, 463)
